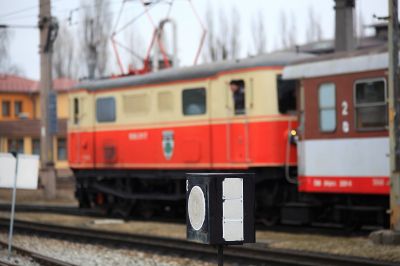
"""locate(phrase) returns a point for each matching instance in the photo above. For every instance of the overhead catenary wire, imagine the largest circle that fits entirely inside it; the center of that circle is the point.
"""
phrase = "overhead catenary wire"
(2, 16)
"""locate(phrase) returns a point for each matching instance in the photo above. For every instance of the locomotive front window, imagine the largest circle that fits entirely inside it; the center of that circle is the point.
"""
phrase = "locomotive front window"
(327, 107)
(370, 104)
(105, 109)
(194, 101)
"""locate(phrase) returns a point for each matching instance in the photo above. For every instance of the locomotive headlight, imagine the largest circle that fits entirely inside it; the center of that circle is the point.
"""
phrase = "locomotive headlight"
(293, 136)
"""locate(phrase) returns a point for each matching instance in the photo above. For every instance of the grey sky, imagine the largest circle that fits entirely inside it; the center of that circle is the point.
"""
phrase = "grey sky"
(24, 45)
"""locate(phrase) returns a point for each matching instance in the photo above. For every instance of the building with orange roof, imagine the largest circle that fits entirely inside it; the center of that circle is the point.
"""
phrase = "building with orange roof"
(20, 117)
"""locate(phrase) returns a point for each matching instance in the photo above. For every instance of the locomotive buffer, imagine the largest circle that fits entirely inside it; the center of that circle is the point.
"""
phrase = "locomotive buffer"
(220, 209)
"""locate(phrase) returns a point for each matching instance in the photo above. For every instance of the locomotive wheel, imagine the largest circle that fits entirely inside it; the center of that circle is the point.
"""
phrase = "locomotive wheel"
(146, 210)
(121, 208)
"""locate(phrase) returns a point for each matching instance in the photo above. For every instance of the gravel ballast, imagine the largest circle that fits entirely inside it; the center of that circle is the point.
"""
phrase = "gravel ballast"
(16, 259)
(93, 255)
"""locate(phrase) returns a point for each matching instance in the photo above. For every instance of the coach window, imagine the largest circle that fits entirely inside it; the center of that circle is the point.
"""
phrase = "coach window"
(105, 109)
(327, 107)
(194, 101)
(370, 104)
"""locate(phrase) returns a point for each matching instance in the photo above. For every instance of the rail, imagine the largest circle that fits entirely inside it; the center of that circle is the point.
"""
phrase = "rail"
(247, 254)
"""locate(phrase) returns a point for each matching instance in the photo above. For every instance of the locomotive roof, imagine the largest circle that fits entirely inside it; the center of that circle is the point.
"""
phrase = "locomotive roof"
(338, 63)
(193, 72)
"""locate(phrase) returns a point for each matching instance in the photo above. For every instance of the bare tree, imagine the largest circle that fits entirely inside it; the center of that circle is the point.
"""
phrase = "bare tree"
(234, 32)
(292, 33)
(287, 31)
(283, 30)
(223, 42)
(6, 66)
(96, 30)
(259, 33)
(211, 51)
(314, 29)
(64, 57)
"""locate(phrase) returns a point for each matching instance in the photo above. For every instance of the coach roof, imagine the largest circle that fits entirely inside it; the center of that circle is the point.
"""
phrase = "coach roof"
(338, 63)
(194, 72)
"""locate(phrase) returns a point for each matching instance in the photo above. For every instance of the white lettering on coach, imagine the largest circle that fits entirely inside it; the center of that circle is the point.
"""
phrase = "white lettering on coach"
(345, 183)
(317, 183)
(330, 183)
(378, 182)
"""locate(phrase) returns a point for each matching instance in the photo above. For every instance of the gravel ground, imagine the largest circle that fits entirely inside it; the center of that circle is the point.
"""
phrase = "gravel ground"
(355, 246)
(95, 255)
(16, 259)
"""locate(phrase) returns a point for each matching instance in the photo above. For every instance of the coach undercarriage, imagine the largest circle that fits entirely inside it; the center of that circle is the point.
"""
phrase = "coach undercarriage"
(145, 194)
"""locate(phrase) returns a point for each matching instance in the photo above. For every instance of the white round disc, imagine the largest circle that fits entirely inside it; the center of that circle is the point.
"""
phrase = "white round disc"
(196, 208)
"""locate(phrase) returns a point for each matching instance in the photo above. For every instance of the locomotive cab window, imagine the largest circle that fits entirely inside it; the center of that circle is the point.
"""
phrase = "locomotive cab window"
(194, 101)
(327, 107)
(286, 95)
(105, 109)
(237, 88)
(370, 104)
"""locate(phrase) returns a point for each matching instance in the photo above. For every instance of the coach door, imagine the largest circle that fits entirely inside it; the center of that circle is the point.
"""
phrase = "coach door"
(237, 124)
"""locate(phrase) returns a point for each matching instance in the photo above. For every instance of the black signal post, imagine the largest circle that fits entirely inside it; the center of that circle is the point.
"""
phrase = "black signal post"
(220, 209)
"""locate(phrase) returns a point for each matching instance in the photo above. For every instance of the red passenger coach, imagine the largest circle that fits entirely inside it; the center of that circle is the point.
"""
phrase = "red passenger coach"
(133, 139)
(343, 139)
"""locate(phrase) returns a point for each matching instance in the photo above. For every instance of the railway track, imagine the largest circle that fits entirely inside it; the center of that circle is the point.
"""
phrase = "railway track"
(321, 229)
(248, 254)
(37, 257)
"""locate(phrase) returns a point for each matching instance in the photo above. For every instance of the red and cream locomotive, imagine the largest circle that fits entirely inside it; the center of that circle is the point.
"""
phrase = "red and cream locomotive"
(131, 140)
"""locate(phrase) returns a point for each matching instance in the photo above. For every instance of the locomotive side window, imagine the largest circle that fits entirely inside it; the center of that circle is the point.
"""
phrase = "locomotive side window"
(137, 104)
(327, 107)
(194, 101)
(76, 110)
(165, 102)
(370, 104)
(286, 95)
(105, 109)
